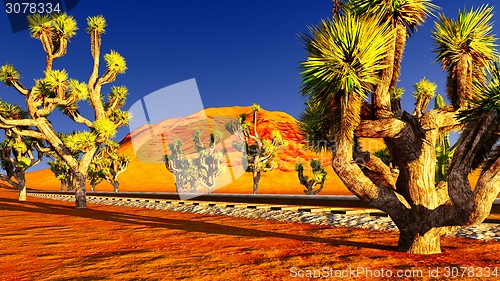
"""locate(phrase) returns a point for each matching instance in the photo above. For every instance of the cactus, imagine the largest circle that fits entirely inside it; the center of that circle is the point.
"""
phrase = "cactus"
(260, 152)
(444, 151)
(192, 175)
(318, 178)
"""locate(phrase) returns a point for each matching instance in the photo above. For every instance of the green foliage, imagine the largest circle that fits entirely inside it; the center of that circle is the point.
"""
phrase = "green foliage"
(42, 89)
(105, 128)
(107, 165)
(260, 152)
(484, 116)
(439, 102)
(39, 24)
(57, 79)
(80, 141)
(424, 92)
(397, 93)
(410, 13)
(62, 172)
(23, 162)
(64, 26)
(255, 107)
(96, 24)
(18, 146)
(465, 47)
(79, 90)
(10, 111)
(17, 154)
(386, 156)
(120, 117)
(9, 74)
(319, 176)
(117, 97)
(424, 88)
(345, 57)
(469, 37)
(315, 123)
(115, 62)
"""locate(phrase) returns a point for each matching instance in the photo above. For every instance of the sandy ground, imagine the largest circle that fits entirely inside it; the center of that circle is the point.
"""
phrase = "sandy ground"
(50, 240)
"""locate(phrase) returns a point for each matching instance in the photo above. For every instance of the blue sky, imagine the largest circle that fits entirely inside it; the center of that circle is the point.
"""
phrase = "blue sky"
(240, 52)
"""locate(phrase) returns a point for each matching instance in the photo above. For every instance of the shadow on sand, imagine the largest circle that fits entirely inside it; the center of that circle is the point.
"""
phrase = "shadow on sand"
(7, 204)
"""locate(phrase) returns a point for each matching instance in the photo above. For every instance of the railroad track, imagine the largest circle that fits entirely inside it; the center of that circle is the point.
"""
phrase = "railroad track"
(301, 203)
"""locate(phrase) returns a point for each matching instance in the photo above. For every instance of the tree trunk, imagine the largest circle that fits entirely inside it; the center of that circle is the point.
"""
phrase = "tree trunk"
(70, 183)
(116, 186)
(381, 96)
(309, 188)
(81, 192)
(416, 161)
(256, 179)
(416, 243)
(21, 184)
(401, 37)
(463, 84)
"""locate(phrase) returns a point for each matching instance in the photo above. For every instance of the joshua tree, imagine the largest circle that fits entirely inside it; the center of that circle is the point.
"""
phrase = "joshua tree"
(95, 174)
(179, 165)
(403, 16)
(465, 47)
(424, 92)
(260, 152)
(18, 153)
(352, 56)
(318, 178)
(396, 96)
(107, 165)
(62, 172)
(192, 175)
(210, 161)
(56, 90)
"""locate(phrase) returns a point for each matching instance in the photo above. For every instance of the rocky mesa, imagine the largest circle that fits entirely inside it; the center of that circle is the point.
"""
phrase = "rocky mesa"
(148, 144)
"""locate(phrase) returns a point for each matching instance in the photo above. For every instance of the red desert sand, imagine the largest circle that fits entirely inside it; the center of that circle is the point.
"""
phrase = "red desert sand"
(43, 239)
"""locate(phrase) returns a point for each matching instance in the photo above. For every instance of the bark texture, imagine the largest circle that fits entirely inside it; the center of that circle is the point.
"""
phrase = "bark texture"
(80, 192)
(256, 179)
(422, 209)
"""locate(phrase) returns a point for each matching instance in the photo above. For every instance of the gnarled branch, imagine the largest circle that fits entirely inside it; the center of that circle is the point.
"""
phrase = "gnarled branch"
(29, 133)
(383, 128)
